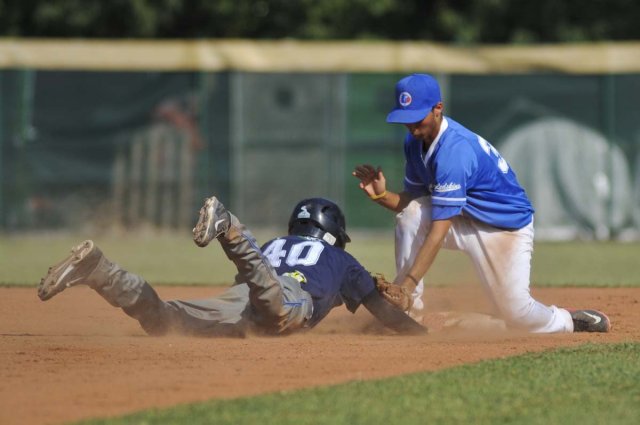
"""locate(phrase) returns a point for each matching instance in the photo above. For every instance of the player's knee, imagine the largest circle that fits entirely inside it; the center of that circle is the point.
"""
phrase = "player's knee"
(268, 303)
(154, 324)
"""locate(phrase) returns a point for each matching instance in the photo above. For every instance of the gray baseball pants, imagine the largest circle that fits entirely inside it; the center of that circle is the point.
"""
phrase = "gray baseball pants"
(260, 300)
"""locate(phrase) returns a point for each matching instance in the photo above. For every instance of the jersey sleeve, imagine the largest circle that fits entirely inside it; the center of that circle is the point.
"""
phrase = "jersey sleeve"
(357, 286)
(439, 212)
(452, 171)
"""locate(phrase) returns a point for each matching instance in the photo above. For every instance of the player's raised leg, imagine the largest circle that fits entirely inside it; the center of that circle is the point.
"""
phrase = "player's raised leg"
(269, 294)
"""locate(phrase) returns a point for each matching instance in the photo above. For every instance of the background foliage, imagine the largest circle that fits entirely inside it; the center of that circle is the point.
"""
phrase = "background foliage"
(458, 21)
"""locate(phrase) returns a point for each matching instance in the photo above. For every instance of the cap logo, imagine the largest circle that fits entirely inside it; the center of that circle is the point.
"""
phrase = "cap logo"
(405, 99)
(304, 213)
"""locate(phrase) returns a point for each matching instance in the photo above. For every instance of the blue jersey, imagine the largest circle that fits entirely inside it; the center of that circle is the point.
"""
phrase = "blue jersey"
(331, 275)
(464, 174)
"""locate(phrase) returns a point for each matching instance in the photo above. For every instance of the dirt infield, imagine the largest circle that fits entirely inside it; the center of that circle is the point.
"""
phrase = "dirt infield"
(76, 357)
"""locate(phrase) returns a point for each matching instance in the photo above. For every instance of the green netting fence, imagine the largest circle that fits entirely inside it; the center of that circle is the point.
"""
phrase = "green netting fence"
(102, 149)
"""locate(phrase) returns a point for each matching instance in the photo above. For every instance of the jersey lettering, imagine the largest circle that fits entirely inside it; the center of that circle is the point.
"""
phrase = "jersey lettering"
(305, 253)
(300, 255)
(274, 252)
(489, 149)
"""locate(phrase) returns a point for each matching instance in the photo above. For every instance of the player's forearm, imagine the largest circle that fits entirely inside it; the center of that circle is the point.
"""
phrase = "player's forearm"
(427, 253)
(390, 316)
(393, 201)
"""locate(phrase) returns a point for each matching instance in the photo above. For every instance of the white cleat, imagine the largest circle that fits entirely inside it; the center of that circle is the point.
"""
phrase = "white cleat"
(214, 221)
(71, 271)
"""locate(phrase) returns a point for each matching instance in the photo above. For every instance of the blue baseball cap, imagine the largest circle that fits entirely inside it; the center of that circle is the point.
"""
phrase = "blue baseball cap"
(416, 95)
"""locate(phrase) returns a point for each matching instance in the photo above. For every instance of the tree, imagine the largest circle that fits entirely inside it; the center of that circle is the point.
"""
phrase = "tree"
(458, 21)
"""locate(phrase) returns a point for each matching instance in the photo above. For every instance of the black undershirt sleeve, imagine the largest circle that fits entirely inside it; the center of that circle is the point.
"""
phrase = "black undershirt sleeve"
(390, 316)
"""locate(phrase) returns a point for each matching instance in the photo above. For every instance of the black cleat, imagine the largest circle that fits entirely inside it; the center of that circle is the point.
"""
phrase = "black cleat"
(590, 321)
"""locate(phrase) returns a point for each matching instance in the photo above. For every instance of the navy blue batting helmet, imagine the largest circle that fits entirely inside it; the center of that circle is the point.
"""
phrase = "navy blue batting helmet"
(319, 218)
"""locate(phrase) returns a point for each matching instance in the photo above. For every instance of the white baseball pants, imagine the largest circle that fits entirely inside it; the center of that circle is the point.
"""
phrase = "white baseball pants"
(502, 259)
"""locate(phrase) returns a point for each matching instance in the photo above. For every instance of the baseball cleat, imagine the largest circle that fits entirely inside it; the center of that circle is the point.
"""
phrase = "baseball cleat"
(214, 221)
(71, 271)
(590, 321)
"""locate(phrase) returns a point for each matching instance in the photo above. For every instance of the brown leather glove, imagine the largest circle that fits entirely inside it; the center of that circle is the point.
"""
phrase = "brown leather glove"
(396, 295)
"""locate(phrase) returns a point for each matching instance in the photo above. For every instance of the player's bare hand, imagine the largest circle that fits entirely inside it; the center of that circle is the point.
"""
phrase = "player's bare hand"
(372, 180)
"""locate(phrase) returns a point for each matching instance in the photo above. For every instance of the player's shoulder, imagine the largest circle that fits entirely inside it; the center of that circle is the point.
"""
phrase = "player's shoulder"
(457, 148)
(459, 141)
(456, 133)
(348, 256)
(339, 257)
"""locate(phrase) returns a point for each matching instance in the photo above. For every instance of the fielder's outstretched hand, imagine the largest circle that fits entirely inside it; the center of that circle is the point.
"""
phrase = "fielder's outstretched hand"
(372, 181)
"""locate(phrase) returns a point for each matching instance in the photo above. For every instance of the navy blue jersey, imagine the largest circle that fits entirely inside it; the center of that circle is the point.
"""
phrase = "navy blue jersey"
(464, 174)
(331, 275)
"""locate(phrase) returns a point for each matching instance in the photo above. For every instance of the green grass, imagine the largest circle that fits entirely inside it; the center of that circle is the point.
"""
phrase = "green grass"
(591, 384)
(161, 259)
(586, 264)
(174, 259)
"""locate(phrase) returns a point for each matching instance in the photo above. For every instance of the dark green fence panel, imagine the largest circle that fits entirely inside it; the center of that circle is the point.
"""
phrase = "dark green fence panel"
(104, 150)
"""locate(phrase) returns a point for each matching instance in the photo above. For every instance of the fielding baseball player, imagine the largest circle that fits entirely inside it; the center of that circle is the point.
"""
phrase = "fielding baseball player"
(461, 194)
(291, 283)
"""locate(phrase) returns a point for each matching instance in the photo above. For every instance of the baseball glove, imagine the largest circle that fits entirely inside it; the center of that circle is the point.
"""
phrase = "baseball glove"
(396, 295)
